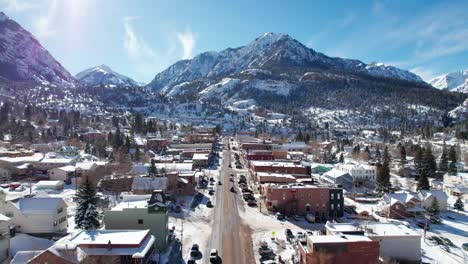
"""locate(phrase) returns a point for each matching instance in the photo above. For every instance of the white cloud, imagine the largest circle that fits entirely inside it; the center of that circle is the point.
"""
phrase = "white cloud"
(19, 5)
(44, 25)
(187, 41)
(425, 74)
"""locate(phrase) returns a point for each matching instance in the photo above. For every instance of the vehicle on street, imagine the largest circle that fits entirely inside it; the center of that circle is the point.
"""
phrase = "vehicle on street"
(233, 190)
(289, 234)
(252, 203)
(195, 250)
(209, 204)
(214, 256)
(279, 216)
(211, 192)
(219, 183)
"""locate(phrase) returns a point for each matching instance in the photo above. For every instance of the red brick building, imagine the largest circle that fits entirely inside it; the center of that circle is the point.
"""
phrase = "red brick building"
(298, 199)
(255, 146)
(259, 155)
(279, 167)
(339, 250)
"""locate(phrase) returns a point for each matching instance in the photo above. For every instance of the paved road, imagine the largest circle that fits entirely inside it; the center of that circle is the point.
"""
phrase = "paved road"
(230, 235)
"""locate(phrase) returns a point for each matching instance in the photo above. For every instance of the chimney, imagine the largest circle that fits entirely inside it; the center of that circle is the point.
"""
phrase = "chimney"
(109, 245)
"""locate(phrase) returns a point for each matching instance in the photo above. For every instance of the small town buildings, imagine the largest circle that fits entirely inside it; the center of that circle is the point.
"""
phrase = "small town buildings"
(100, 246)
(64, 173)
(37, 215)
(340, 249)
(427, 198)
(397, 242)
(298, 170)
(49, 185)
(401, 204)
(361, 173)
(338, 177)
(259, 155)
(456, 185)
(304, 199)
(53, 160)
(146, 185)
(201, 160)
(4, 238)
(267, 177)
(140, 215)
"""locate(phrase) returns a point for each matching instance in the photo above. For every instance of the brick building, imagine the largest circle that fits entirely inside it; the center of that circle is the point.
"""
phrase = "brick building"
(304, 199)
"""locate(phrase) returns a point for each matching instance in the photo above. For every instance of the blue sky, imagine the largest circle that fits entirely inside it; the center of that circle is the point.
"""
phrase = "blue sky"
(140, 38)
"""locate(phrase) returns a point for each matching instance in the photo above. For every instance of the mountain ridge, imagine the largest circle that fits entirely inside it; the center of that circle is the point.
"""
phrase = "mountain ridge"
(104, 75)
(456, 81)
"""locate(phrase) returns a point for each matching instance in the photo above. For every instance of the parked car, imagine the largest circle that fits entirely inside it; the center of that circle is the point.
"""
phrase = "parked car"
(209, 204)
(252, 203)
(191, 261)
(279, 216)
(214, 256)
(211, 192)
(289, 234)
(195, 250)
(233, 190)
(239, 167)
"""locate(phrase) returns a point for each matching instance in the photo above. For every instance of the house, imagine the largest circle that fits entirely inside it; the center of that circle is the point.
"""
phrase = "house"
(397, 242)
(53, 160)
(49, 185)
(64, 173)
(338, 249)
(338, 177)
(201, 160)
(427, 198)
(401, 204)
(361, 173)
(141, 215)
(100, 246)
(4, 238)
(36, 215)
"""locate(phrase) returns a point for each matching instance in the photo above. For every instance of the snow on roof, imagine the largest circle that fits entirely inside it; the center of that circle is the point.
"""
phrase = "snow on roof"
(268, 174)
(4, 218)
(372, 229)
(23, 242)
(33, 158)
(116, 237)
(438, 194)
(274, 163)
(401, 197)
(85, 165)
(68, 168)
(335, 173)
(200, 156)
(41, 205)
(337, 239)
(147, 183)
(22, 257)
(130, 204)
(48, 183)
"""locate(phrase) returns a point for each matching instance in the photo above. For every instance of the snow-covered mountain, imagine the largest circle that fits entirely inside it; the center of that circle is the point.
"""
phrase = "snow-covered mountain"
(22, 58)
(277, 53)
(454, 81)
(104, 75)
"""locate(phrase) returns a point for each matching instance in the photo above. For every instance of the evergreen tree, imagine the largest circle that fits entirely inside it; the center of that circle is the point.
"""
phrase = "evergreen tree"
(383, 174)
(423, 182)
(403, 154)
(459, 206)
(429, 164)
(418, 159)
(87, 148)
(341, 158)
(87, 216)
(137, 154)
(434, 209)
(443, 164)
(152, 170)
(452, 169)
(299, 136)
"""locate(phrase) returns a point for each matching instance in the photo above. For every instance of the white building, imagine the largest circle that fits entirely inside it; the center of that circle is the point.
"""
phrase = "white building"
(427, 198)
(360, 172)
(397, 241)
(35, 215)
(61, 173)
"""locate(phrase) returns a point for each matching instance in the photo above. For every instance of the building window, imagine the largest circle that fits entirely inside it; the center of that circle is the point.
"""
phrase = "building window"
(9, 214)
(338, 196)
(332, 206)
(332, 196)
(140, 221)
(284, 196)
(338, 206)
(59, 210)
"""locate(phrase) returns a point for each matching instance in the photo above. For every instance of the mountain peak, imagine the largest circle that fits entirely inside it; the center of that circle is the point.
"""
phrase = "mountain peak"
(3, 17)
(456, 81)
(24, 59)
(104, 75)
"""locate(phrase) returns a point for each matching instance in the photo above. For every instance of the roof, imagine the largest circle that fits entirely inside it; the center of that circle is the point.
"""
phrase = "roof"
(48, 183)
(274, 163)
(68, 168)
(131, 204)
(280, 175)
(4, 218)
(40, 205)
(336, 173)
(401, 197)
(34, 158)
(438, 194)
(147, 183)
(22, 257)
(85, 165)
(116, 237)
(372, 229)
(337, 239)
(200, 156)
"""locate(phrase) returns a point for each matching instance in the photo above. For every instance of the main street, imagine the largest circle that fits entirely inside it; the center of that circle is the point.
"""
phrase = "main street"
(230, 235)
